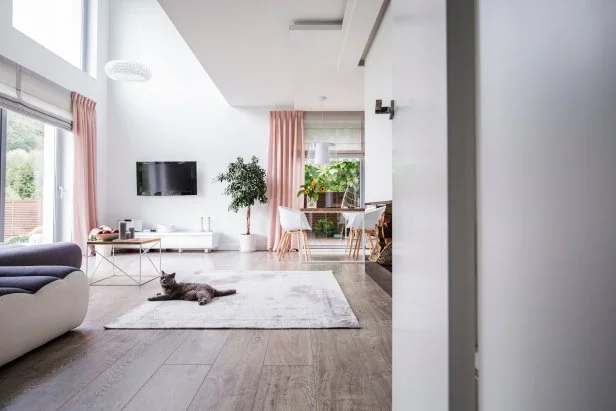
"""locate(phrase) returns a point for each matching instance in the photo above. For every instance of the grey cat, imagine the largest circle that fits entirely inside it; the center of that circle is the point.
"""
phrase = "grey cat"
(172, 290)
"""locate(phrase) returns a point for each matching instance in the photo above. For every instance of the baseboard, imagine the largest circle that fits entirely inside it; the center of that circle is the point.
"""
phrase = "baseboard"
(233, 247)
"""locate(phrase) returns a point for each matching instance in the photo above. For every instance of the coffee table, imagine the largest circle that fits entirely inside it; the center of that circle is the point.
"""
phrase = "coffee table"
(144, 244)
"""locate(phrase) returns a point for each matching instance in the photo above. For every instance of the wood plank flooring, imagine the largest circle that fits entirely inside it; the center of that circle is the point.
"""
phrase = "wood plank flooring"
(91, 368)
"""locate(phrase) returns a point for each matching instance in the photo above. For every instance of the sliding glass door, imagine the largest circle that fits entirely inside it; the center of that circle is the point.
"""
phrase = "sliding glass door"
(31, 210)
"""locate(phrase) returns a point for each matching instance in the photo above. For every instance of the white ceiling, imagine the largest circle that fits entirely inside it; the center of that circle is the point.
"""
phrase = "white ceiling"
(249, 52)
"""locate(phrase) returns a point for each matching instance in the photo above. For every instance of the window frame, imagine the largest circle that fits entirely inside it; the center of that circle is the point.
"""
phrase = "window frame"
(3, 139)
(87, 18)
(85, 35)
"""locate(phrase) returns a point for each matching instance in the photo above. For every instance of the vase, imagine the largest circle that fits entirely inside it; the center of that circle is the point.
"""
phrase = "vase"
(311, 203)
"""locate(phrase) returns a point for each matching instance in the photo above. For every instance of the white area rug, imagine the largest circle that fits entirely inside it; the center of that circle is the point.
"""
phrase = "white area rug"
(264, 299)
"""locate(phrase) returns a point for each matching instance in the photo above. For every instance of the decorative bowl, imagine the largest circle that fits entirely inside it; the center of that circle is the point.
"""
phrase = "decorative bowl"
(107, 237)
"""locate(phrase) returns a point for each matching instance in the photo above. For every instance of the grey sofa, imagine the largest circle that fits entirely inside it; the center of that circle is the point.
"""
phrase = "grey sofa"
(43, 294)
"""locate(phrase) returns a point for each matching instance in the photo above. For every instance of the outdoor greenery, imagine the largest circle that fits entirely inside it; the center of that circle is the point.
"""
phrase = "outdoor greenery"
(24, 158)
(336, 176)
(24, 161)
(324, 228)
(245, 184)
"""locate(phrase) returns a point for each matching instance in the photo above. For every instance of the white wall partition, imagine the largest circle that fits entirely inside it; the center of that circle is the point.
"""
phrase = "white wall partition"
(420, 275)
(547, 205)
(378, 127)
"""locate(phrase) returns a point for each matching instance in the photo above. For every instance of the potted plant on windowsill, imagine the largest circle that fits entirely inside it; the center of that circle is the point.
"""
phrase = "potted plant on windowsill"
(246, 185)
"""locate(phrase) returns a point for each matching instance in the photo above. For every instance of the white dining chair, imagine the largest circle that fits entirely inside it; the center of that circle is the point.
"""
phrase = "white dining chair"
(363, 226)
(293, 223)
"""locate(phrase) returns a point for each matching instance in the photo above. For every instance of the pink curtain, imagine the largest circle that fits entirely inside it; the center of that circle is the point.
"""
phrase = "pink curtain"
(285, 166)
(84, 175)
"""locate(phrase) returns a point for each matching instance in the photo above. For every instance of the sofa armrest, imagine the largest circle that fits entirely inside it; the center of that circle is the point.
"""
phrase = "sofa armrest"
(67, 254)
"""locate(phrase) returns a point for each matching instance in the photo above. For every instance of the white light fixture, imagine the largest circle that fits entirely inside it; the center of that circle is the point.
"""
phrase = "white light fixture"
(321, 150)
(124, 70)
(321, 153)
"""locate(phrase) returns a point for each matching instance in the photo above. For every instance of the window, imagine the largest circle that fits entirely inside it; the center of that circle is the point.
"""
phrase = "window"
(58, 25)
(32, 209)
(341, 179)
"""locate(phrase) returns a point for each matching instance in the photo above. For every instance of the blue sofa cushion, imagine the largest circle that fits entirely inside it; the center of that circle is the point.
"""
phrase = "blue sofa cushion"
(57, 271)
(30, 283)
(42, 254)
(13, 290)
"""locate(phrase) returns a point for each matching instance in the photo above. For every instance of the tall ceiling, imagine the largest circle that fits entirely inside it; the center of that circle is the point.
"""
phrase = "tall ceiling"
(255, 59)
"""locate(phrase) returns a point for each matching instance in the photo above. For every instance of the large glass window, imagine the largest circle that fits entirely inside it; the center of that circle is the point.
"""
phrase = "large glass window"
(58, 25)
(32, 204)
(334, 159)
(339, 180)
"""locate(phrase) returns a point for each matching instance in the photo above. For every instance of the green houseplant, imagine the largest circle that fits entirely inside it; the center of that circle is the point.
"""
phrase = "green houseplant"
(246, 186)
(324, 228)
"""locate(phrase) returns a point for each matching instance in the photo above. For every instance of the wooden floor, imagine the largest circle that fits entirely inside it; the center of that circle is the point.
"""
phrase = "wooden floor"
(95, 369)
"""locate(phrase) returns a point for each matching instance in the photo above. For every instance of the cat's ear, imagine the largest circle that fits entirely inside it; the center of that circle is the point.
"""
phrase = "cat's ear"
(163, 273)
(172, 275)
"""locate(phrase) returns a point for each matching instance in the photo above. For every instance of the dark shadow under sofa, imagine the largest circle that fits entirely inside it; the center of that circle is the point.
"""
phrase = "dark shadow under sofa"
(43, 294)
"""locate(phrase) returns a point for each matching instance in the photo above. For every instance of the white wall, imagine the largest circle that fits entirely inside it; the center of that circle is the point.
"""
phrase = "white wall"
(28, 53)
(547, 205)
(378, 127)
(178, 115)
(420, 274)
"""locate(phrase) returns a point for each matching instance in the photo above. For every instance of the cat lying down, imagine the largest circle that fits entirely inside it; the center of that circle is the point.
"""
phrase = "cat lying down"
(172, 290)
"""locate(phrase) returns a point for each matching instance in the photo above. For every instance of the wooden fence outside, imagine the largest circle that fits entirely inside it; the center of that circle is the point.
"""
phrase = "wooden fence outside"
(21, 217)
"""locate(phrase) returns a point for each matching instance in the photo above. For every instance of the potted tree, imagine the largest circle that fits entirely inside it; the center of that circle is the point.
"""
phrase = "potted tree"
(246, 185)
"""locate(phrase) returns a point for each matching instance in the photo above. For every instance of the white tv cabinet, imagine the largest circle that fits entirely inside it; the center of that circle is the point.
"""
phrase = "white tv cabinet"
(183, 240)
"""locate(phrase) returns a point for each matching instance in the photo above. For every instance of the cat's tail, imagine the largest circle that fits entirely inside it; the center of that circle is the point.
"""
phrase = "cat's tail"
(221, 293)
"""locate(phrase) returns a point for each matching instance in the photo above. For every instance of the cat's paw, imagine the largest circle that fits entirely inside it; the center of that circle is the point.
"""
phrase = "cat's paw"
(202, 302)
(151, 298)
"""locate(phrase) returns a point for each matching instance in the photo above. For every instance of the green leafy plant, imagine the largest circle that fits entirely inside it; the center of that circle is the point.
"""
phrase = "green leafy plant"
(19, 239)
(246, 185)
(324, 228)
(311, 189)
(336, 176)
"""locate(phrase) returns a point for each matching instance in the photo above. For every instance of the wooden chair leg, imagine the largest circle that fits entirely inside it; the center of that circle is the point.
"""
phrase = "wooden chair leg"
(302, 242)
(347, 250)
(369, 240)
(281, 245)
(358, 240)
(286, 244)
(307, 251)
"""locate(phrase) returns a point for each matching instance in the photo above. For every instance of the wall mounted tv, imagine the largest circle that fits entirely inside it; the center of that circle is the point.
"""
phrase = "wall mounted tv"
(167, 178)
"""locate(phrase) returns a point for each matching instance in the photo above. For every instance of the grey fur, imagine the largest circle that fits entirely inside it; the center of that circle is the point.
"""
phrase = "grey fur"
(172, 290)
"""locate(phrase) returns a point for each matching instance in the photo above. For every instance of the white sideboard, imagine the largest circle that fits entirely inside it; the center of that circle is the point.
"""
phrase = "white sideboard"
(184, 240)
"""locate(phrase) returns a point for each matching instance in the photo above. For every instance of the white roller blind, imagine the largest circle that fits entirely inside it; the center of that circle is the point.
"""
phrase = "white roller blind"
(25, 92)
(343, 129)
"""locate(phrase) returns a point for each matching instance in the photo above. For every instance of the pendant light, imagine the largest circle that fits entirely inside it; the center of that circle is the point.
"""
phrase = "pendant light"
(321, 154)
(123, 70)
(321, 150)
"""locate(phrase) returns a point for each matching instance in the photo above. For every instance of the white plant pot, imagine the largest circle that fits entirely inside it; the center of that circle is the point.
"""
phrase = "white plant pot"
(103, 250)
(248, 243)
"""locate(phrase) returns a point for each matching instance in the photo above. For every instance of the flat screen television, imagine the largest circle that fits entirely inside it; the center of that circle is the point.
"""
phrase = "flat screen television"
(167, 178)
